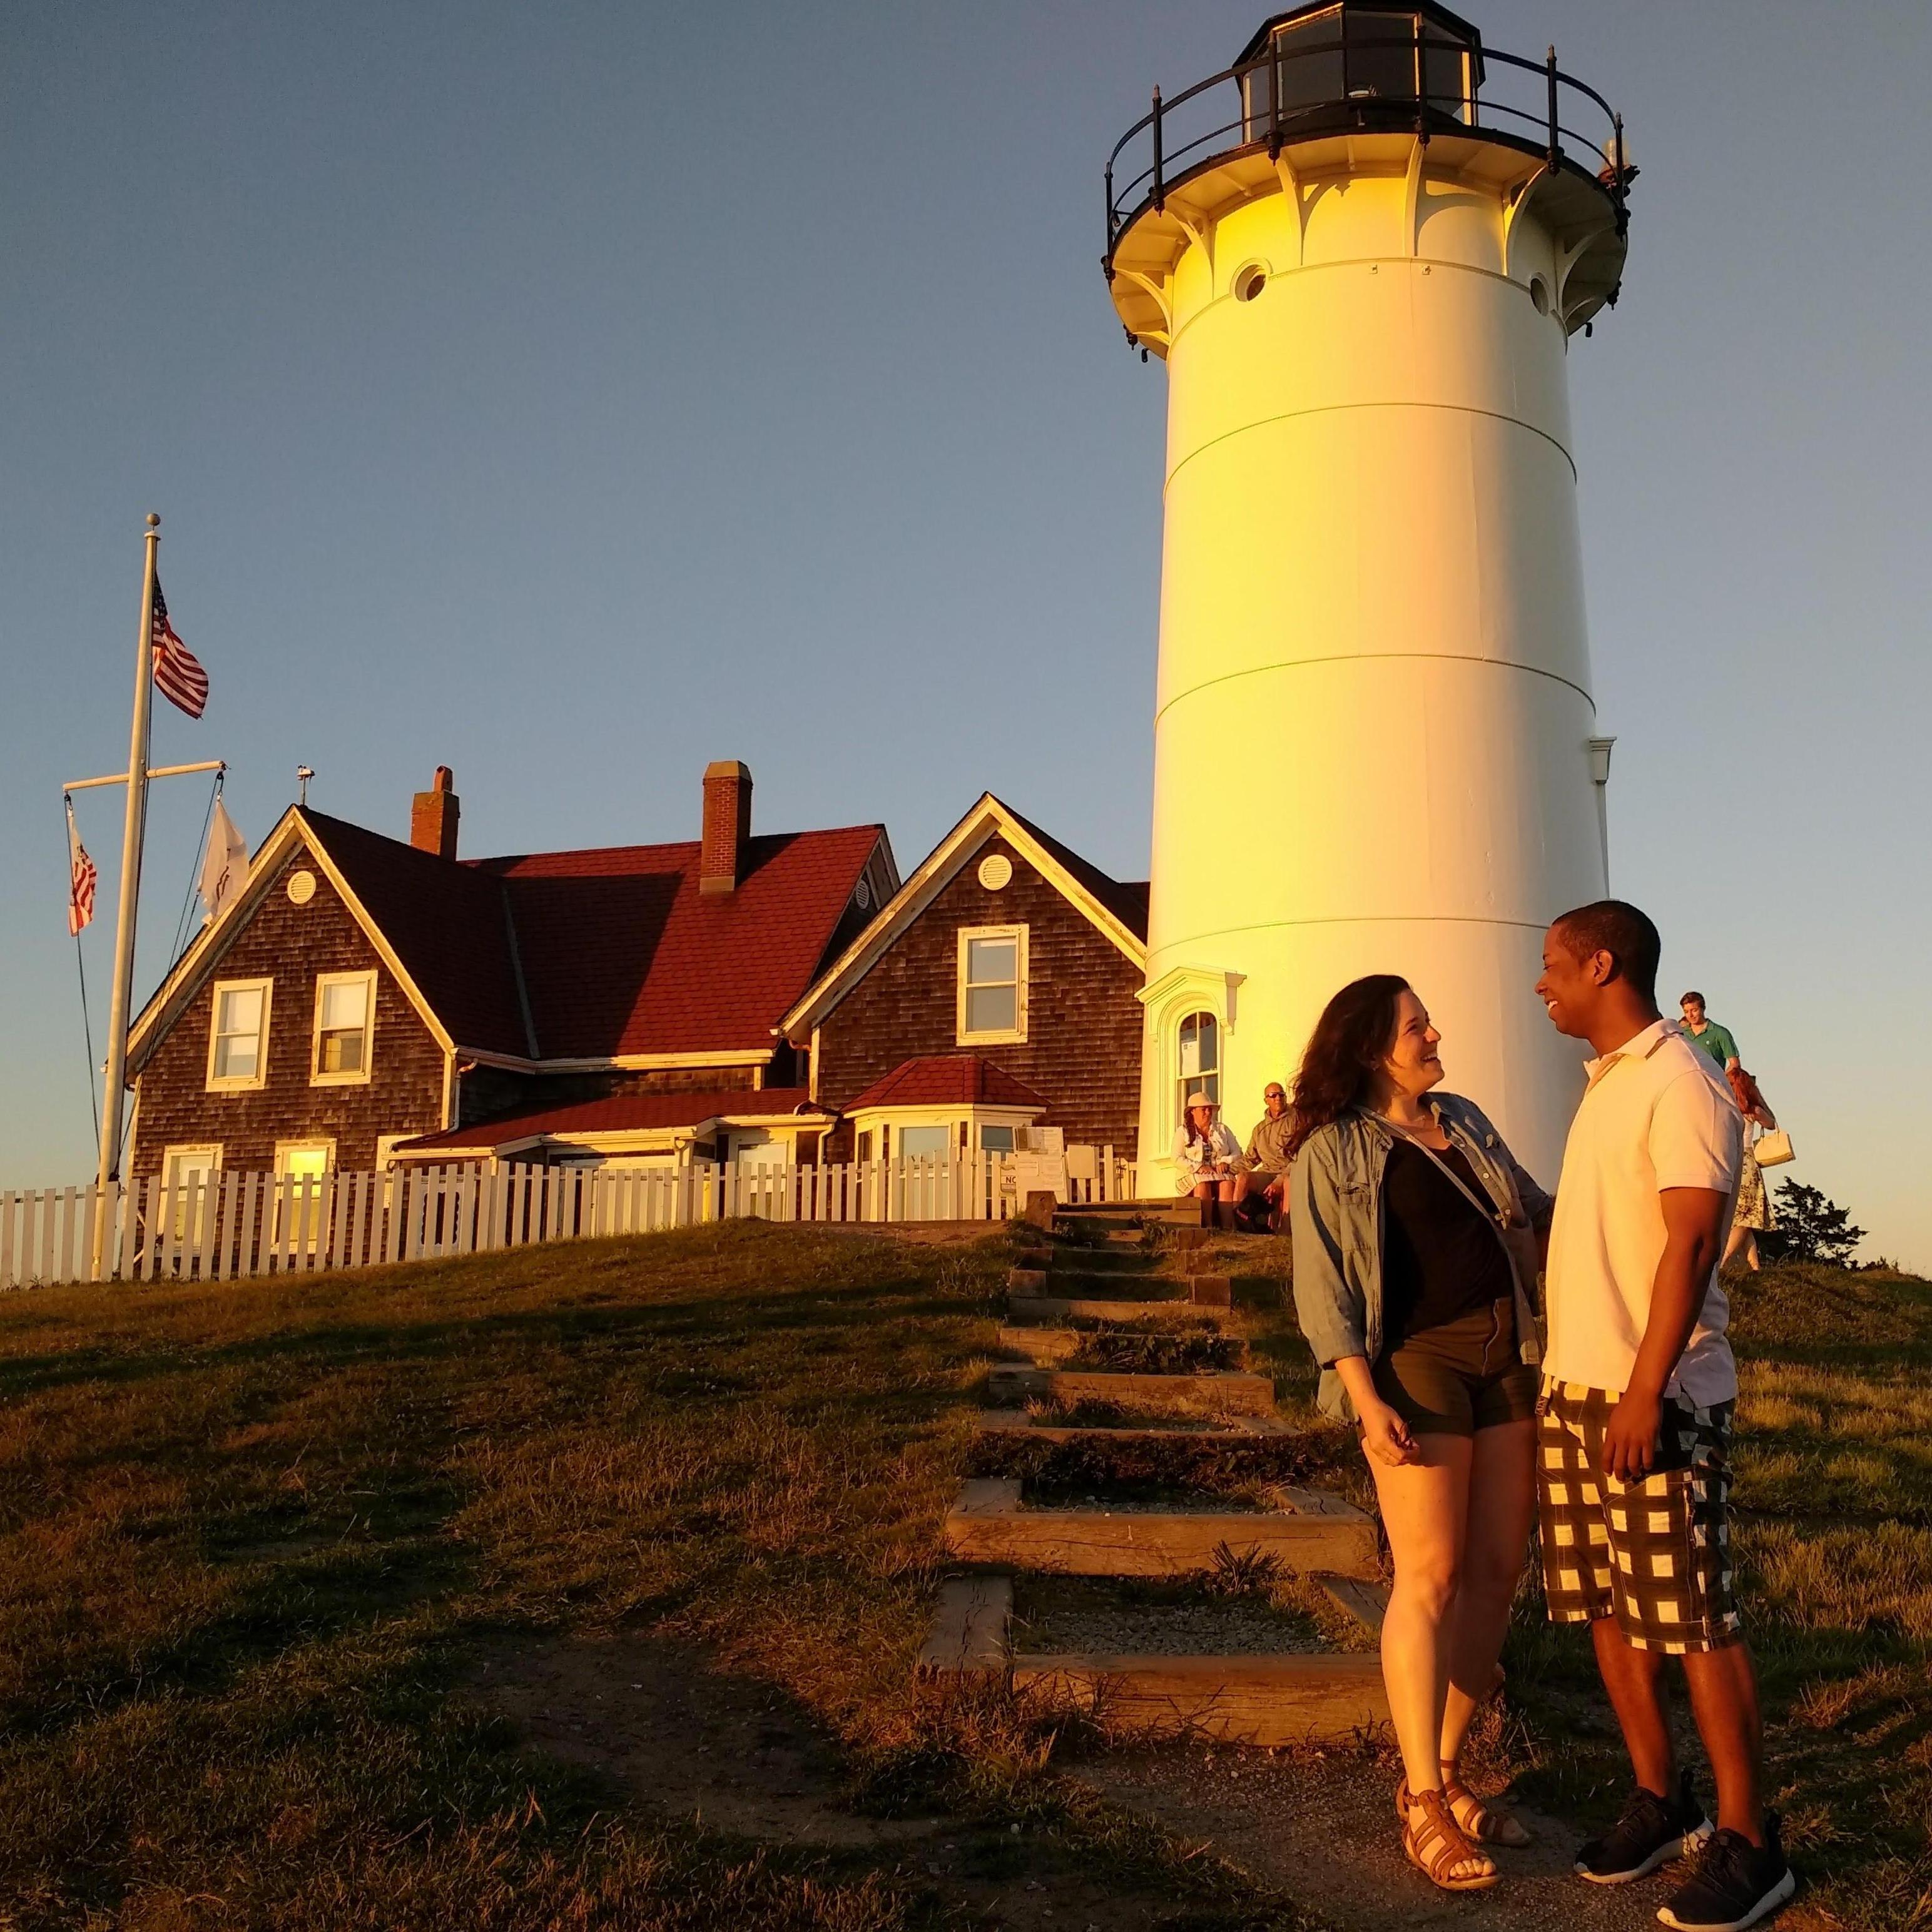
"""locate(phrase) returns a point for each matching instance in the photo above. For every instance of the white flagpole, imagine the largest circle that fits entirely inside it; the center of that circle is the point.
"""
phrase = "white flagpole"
(112, 1108)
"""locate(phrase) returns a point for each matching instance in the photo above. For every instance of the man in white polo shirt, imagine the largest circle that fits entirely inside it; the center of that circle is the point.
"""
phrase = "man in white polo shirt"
(1633, 1445)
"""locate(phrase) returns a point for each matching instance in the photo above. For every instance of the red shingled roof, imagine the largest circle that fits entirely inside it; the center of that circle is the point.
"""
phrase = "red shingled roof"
(622, 953)
(617, 950)
(448, 925)
(947, 1080)
(621, 1114)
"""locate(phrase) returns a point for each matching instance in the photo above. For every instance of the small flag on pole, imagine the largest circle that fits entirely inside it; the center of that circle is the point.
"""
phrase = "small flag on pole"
(81, 876)
(224, 870)
(178, 675)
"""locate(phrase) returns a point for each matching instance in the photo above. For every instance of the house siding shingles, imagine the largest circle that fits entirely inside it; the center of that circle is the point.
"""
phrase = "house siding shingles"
(1083, 1045)
(291, 944)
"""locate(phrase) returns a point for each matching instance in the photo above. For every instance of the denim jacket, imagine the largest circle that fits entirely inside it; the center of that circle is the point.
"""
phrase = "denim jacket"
(1338, 1216)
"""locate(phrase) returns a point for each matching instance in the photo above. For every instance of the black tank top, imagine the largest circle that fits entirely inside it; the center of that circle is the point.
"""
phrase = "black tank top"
(1441, 1256)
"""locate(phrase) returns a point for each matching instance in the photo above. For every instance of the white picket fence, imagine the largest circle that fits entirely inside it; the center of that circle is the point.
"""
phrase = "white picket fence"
(220, 1227)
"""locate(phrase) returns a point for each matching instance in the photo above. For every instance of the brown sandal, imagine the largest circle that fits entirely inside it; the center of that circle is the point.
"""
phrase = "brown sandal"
(1481, 1821)
(1436, 1845)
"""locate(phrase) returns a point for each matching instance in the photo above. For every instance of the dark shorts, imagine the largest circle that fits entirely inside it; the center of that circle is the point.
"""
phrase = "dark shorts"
(1460, 1377)
(1656, 1555)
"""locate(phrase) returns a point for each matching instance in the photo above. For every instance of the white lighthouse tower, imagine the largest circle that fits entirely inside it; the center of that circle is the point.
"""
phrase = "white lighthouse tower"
(1363, 252)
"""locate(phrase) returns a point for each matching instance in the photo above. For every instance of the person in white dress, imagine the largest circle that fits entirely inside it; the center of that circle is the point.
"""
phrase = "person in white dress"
(1208, 1162)
(1753, 1214)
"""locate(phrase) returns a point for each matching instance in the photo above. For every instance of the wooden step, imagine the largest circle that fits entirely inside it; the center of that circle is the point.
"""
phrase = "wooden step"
(988, 1525)
(1235, 1390)
(1266, 1700)
(1046, 1309)
(1131, 1291)
(1228, 1428)
(969, 1630)
(1366, 1602)
(1069, 1260)
(1046, 1346)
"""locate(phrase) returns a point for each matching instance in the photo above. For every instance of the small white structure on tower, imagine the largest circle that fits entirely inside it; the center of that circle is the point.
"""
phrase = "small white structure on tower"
(1362, 253)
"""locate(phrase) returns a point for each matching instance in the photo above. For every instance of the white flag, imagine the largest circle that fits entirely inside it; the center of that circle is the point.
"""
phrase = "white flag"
(225, 870)
(80, 879)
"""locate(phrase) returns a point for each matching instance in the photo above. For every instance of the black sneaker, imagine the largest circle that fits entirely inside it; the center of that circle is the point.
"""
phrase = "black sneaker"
(1651, 1832)
(1736, 1883)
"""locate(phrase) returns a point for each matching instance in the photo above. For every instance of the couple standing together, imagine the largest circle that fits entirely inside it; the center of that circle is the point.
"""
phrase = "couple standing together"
(1418, 1242)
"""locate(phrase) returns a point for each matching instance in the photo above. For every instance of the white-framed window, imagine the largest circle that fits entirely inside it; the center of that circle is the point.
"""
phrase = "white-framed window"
(308, 1161)
(345, 1029)
(992, 984)
(237, 1035)
(1198, 1060)
(181, 1167)
(919, 1142)
(996, 1140)
(316, 1157)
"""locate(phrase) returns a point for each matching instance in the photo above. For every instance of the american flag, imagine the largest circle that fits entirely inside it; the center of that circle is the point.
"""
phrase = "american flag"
(81, 876)
(178, 675)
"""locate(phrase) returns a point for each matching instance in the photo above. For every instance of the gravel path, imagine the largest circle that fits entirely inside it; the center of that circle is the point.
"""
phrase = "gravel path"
(1322, 1827)
(1164, 1630)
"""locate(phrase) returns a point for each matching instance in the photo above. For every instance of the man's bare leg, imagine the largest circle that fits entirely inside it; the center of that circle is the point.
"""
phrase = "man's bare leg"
(1723, 1700)
(1634, 1679)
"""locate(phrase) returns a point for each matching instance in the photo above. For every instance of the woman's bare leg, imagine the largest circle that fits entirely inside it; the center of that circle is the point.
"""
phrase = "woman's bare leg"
(1495, 1546)
(1740, 1236)
(1423, 1506)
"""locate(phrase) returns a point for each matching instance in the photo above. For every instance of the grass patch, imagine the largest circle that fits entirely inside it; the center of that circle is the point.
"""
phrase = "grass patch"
(1833, 1459)
(255, 1540)
(1155, 1352)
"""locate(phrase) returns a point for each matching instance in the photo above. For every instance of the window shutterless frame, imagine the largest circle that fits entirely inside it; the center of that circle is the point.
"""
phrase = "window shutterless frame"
(311, 1160)
(992, 1008)
(237, 1035)
(342, 1044)
(180, 1165)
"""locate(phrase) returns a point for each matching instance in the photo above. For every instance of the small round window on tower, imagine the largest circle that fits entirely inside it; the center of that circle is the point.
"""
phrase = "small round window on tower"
(1539, 294)
(1249, 282)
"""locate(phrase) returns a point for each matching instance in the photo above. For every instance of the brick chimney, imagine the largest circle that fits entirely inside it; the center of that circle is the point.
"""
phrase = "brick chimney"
(727, 826)
(433, 816)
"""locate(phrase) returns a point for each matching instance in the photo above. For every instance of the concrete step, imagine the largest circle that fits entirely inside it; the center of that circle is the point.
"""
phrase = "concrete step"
(1232, 1391)
(989, 1524)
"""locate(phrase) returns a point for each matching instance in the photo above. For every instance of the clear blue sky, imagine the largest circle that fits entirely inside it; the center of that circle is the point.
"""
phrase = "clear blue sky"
(573, 394)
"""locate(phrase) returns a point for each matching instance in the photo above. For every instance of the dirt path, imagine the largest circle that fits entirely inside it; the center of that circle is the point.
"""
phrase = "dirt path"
(686, 1744)
(1324, 1830)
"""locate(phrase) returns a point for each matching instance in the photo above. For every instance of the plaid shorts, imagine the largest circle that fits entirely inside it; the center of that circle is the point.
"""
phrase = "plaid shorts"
(1655, 1554)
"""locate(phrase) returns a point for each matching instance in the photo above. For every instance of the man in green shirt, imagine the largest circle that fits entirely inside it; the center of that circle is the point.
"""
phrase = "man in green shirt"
(1703, 1031)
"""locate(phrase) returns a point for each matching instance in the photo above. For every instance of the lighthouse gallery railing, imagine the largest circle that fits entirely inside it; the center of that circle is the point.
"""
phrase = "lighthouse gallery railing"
(1527, 104)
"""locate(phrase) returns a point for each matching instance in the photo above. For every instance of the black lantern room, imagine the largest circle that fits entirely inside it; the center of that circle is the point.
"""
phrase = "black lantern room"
(1339, 64)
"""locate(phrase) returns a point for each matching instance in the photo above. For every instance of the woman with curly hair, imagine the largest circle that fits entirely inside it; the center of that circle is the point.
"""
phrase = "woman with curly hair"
(1416, 1254)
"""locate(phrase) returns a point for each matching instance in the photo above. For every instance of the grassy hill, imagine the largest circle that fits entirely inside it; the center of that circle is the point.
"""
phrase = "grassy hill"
(261, 1544)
